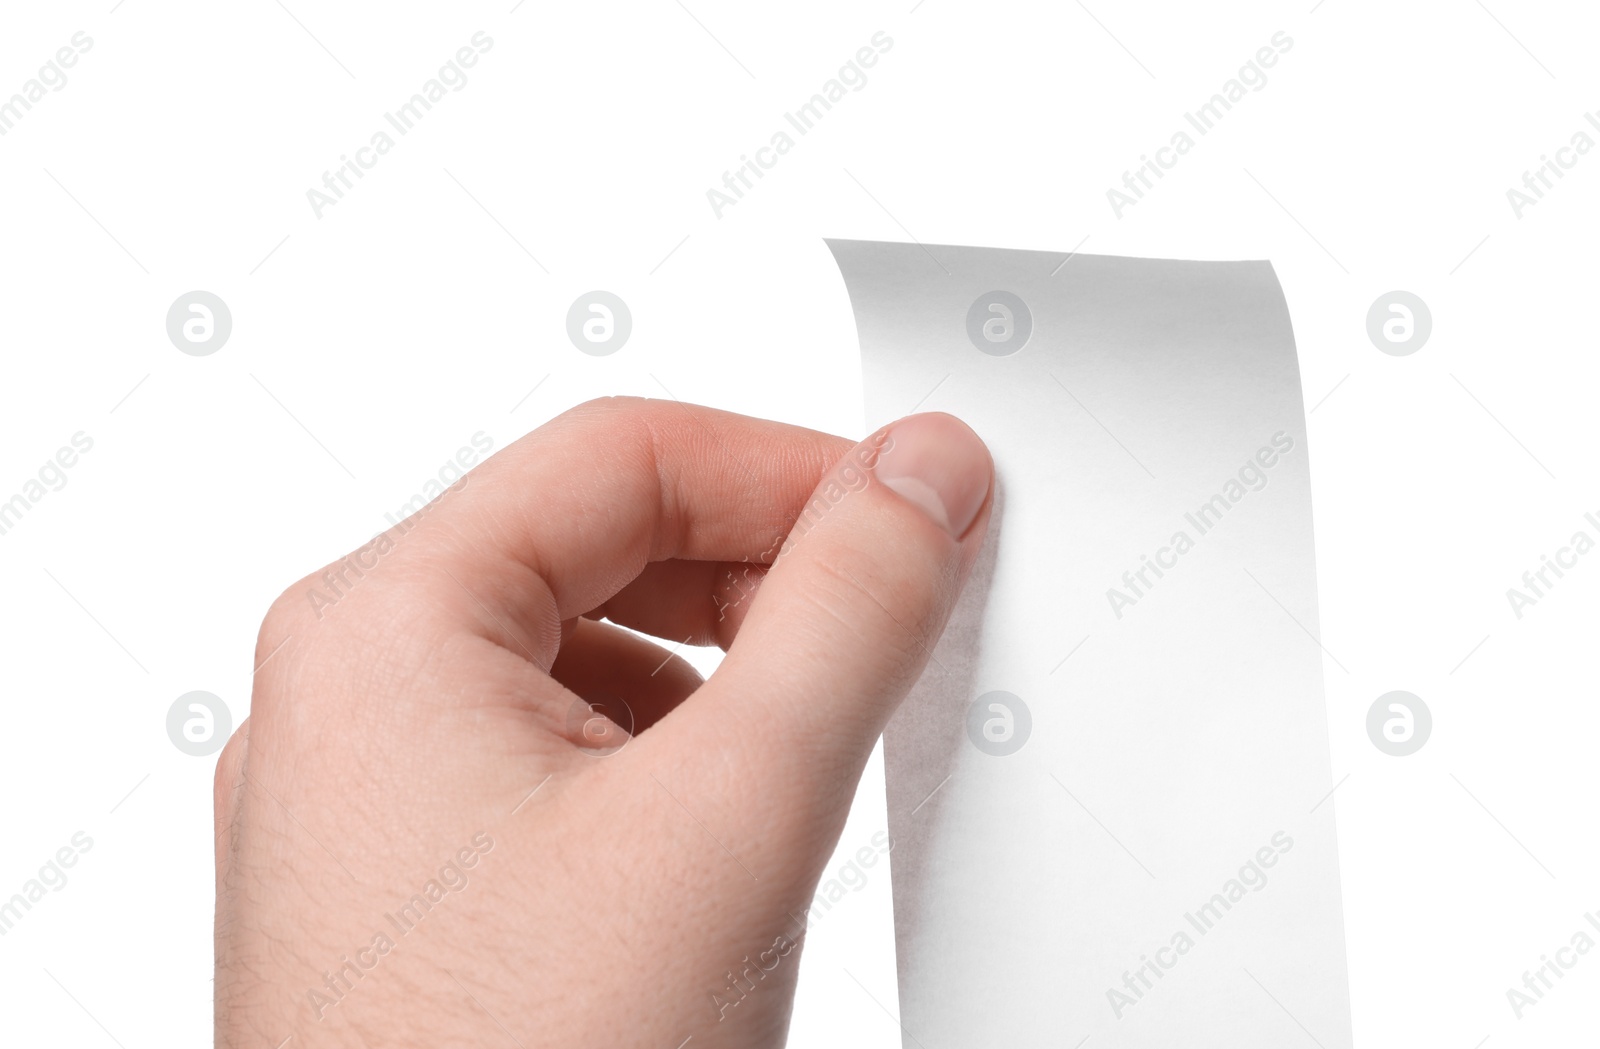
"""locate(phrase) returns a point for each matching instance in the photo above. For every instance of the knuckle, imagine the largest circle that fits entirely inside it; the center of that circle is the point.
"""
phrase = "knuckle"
(874, 603)
(287, 613)
(229, 774)
(604, 406)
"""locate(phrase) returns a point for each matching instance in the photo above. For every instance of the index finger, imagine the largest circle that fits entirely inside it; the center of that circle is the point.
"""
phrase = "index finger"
(558, 522)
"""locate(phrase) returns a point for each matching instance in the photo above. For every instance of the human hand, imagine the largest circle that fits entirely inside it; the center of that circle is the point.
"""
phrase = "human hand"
(418, 843)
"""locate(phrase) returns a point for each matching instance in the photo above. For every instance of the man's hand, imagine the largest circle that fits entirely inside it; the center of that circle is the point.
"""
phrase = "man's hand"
(466, 809)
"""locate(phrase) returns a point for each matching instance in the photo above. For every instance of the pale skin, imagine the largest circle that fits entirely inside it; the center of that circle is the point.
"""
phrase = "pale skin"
(427, 836)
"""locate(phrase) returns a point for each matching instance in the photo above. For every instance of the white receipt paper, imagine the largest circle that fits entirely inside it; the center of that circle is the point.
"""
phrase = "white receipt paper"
(1109, 794)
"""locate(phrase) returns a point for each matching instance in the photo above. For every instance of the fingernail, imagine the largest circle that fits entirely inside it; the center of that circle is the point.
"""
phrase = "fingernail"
(935, 462)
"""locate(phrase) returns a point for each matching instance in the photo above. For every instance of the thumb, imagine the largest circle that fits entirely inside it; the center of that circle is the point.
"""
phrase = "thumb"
(847, 617)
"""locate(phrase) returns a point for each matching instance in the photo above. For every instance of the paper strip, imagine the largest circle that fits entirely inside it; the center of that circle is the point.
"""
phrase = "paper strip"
(1108, 794)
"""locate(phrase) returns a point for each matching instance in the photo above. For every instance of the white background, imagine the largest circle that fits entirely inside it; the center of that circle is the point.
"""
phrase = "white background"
(373, 342)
